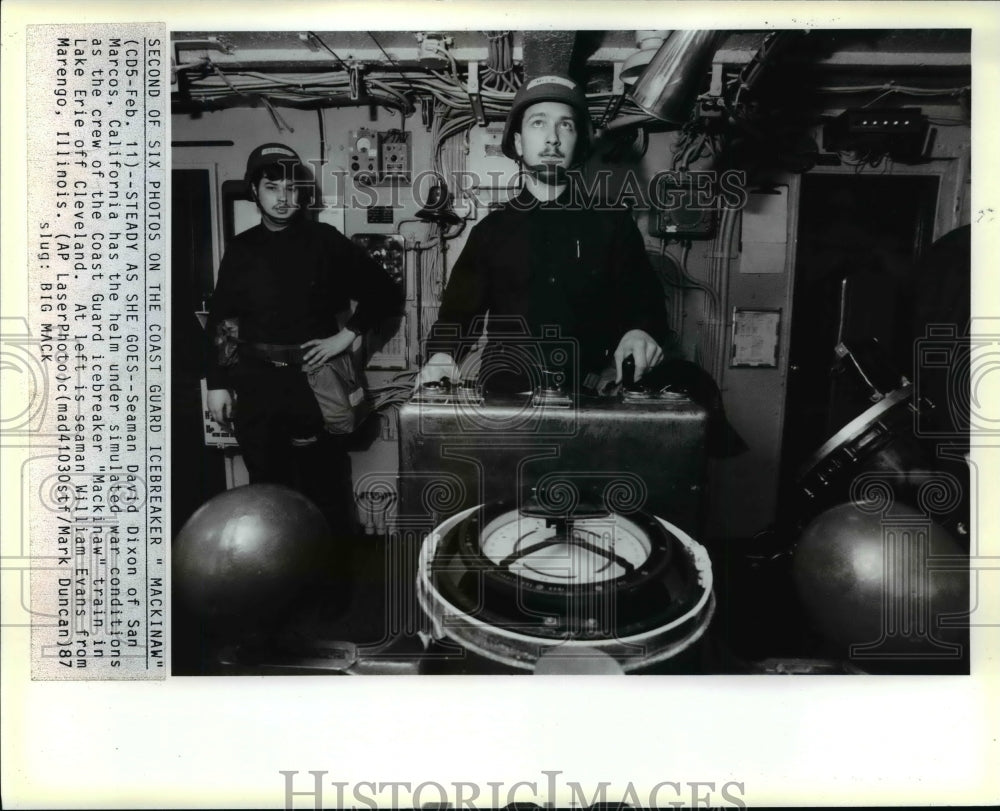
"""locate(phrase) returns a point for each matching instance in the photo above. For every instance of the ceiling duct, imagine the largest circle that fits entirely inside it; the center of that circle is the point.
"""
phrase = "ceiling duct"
(547, 53)
(668, 86)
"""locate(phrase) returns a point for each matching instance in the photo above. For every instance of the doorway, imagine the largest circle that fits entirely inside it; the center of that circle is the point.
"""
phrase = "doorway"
(858, 244)
(198, 471)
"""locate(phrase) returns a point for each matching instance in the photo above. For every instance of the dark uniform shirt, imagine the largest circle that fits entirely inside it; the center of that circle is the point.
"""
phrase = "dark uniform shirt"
(548, 269)
(287, 287)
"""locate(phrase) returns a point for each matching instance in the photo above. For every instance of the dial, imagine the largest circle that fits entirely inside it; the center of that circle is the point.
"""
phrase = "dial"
(588, 550)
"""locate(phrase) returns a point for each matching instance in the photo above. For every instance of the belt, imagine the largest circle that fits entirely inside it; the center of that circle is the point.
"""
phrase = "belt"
(276, 354)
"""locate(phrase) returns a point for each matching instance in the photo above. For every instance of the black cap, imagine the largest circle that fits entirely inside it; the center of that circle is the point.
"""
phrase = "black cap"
(270, 155)
(549, 88)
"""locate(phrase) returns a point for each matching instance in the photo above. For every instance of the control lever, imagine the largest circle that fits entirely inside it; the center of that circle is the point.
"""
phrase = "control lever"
(628, 372)
(629, 382)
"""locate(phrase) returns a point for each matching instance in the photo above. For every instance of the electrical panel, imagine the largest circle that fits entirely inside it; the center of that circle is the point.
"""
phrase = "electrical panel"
(388, 251)
(395, 159)
(901, 132)
(364, 156)
(377, 158)
(682, 209)
(491, 147)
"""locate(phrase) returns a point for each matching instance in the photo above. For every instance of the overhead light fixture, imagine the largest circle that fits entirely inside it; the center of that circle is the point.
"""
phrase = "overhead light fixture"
(670, 82)
(648, 42)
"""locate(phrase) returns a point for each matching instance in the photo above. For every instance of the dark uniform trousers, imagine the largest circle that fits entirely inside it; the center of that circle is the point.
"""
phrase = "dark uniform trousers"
(283, 441)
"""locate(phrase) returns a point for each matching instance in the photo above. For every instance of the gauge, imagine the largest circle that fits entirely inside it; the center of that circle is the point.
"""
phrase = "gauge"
(588, 550)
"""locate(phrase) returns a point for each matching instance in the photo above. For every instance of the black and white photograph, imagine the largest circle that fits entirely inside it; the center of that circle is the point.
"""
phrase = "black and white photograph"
(514, 352)
(503, 352)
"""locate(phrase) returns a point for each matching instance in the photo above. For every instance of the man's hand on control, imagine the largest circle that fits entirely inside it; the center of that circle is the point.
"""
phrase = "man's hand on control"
(641, 346)
(220, 406)
(439, 366)
(320, 350)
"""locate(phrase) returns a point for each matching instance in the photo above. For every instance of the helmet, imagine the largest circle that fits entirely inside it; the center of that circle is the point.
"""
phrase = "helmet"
(549, 88)
(272, 155)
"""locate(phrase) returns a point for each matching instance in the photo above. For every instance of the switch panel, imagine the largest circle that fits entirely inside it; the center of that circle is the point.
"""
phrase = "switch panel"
(395, 160)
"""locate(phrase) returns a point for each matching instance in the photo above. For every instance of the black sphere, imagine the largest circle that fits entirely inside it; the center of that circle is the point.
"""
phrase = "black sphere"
(246, 555)
(882, 583)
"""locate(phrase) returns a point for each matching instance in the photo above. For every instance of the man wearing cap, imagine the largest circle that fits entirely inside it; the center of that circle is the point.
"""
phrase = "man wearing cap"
(280, 286)
(548, 260)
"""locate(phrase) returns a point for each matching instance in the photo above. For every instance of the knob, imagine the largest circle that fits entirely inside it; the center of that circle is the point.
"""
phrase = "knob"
(552, 379)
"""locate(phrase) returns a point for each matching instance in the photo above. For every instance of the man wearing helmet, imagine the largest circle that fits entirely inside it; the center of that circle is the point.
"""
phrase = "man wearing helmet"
(281, 285)
(546, 260)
